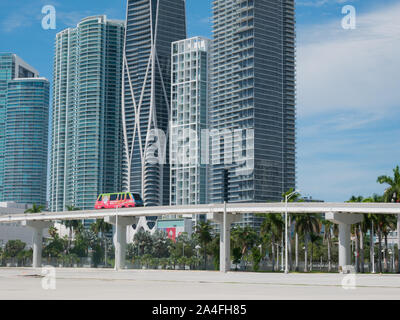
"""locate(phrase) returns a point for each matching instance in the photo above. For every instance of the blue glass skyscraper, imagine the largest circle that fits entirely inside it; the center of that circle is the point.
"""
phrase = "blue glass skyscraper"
(26, 132)
(86, 148)
(11, 67)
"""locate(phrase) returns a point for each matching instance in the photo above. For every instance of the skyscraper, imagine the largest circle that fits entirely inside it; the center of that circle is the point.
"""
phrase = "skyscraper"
(152, 25)
(253, 97)
(189, 108)
(87, 134)
(11, 67)
(26, 133)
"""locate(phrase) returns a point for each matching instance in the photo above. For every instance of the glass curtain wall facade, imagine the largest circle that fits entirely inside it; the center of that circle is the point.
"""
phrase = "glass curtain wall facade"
(190, 81)
(152, 26)
(87, 136)
(254, 90)
(11, 67)
(26, 141)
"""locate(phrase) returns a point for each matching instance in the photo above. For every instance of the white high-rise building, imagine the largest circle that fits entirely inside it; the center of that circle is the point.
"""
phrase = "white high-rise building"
(189, 110)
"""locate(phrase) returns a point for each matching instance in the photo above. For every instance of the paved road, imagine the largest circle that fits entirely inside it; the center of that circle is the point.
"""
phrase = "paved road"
(26, 283)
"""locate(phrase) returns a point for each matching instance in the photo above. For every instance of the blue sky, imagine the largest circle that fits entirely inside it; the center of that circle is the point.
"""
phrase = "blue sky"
(348, 81)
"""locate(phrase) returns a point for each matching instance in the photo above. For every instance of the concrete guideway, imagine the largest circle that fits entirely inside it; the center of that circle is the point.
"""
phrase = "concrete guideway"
(82, 284)
(231, 208)
(344, 214)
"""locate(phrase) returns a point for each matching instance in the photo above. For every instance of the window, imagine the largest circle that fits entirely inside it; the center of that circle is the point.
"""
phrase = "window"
(136, 197)
(113, 197)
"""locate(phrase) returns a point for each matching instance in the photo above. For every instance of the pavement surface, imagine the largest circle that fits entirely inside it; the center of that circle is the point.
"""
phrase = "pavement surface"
(104, 284)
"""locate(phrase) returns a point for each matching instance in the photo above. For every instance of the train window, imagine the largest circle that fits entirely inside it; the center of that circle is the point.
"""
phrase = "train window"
(136, 196)
(113, 197)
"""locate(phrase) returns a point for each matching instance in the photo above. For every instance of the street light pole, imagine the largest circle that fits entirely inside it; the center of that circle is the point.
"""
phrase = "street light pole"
(372, 247)
(286, 236)
(287, 197)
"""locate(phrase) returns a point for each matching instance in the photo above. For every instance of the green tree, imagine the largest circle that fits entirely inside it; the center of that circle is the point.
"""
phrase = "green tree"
(203, 233)
(82, 243)
(144, 243)
(355, 230)
(74, 226)
(307, 224)
(101, 227)
(314, 239)
(392, 194)
(160, 244)
(244, 238)
(329, 229)
(271, 229)
(371, 223)
(56, 246)
(256, 258)
(214, 249)
(236, 256)
(35, 209)
(13, 248)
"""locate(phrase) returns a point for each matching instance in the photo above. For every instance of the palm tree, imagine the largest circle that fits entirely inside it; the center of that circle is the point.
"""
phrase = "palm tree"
(53, 232)
(389, 226)
(314, 237)
(307, 224)
(203, 232)
(35, 209)
(102, 227)
(393, 194)
(272, 226)
(72, 225)
(329, 227)
(371, 222)
(244, 238)
(385, 224)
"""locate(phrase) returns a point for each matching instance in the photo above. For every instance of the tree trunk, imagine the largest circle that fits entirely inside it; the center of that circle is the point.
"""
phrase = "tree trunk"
(305, 252)
(357, 259)
(297, 251)
(277, 257)
(386, 254)
(329, 252)
(311, 256)
(372, 249)
(282, 252)
(205, 257)
(290, 243)
(398, 243)
(273, 253)
(105, 251)
(379, 249)
(362, 250)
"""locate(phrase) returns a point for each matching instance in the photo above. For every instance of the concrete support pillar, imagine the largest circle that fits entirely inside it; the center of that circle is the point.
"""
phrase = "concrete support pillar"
(120, 237)
(344, 244)
(344, 220)
(225, 220)
(37, 246)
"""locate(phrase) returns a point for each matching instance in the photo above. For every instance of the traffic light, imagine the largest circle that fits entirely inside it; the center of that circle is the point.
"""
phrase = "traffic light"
(226, 185)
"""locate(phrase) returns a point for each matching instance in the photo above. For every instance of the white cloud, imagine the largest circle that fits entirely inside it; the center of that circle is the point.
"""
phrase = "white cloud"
(320, 3)
(350, 70)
